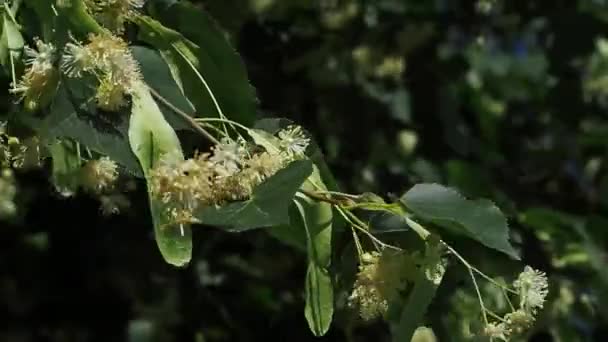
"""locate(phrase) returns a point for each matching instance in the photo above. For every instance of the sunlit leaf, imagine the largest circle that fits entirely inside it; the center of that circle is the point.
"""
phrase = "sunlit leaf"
(480, 220)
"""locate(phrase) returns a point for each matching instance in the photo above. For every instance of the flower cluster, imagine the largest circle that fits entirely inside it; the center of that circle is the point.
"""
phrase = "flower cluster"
(108, 58)
(39, 82)
(8, 190)
(531, 287)
(230, 172)
(98, 175)
(380, 278)
(113, 14)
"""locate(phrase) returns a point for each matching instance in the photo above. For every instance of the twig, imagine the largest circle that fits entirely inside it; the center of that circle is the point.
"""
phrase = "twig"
(320, 198)
(184, 116)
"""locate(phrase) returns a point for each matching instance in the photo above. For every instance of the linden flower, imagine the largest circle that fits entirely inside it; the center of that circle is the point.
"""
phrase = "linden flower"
(532, 288)
(228, 157)
(366, 292)
(38, 84)
(108, 58)
(98, 175)
(499, 331)
(77, 59)
(380, 278)
(263, 165)
(518, 321)
(110, 95)
(44, 54)
(187, 182)
(293, 141)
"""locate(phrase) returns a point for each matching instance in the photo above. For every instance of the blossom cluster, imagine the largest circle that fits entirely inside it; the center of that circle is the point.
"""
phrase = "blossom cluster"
(98, 175)
(8, 191)
(228, 173)
(109, 59)
(381, 277)
(531, 287)
(40, 79)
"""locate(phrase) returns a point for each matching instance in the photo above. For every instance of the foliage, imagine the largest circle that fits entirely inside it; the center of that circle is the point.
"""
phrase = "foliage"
(146, 107)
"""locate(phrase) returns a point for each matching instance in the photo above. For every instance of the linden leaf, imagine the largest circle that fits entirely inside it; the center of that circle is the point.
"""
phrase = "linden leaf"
(151, 138)
(480, 220)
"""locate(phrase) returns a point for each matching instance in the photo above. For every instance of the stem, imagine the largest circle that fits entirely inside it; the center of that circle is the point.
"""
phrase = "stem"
(320, 198)
(184, 116)
(474, 269)
(483, 307)
(361, 227)
(491, 313)
(223, 120)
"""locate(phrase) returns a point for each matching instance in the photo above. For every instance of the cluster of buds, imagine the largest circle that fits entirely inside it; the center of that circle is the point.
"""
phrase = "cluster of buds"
(230, 172)
(381, 278)
(113, 14)
(39, 82)
(8, 191)
(109, 59)
(531, 287)
(17, 153)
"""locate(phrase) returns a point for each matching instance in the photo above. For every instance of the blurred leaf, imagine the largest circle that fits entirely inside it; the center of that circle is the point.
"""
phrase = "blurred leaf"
(480, 220)
(151, 138)
(209, 69)
(11, 42)
(268, 205)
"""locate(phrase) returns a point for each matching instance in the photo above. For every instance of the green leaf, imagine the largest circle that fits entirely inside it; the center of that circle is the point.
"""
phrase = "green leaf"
(317, 220)
(73, 114)
(268, 205)
(151, 138)
(157, 76)
(11, 42)
(319, 299)
(80, 19)
(211, 73)
(480, 220)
